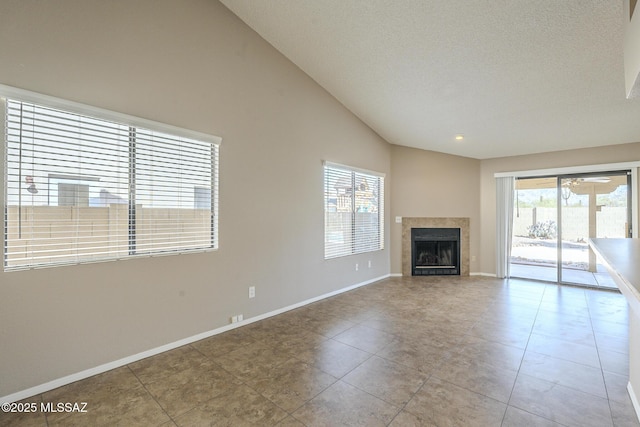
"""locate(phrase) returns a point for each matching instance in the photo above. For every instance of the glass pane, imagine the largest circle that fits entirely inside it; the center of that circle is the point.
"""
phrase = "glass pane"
(173, 177)
(592, 206)
(367, 235)
(338, 212)
(66, 185)
(534, 250)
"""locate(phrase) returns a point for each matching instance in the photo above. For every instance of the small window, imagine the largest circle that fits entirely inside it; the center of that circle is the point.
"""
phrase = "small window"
(69, 190)
(353, 211)
(202, 197)
(83, 188)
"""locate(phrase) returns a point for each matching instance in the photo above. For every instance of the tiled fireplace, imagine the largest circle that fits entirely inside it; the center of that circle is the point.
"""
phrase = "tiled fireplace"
(435, 246)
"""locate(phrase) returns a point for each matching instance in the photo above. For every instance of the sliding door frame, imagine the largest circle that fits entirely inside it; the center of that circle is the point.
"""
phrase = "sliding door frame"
(630, 191)
(633, 167)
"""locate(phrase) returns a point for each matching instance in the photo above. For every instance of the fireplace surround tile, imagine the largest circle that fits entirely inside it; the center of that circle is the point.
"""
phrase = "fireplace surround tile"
(425, 222)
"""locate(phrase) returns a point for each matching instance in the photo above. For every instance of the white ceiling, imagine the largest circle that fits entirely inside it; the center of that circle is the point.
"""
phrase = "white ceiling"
(513, 76)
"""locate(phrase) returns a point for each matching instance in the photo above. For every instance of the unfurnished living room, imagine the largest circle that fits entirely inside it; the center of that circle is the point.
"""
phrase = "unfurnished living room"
(320, 213)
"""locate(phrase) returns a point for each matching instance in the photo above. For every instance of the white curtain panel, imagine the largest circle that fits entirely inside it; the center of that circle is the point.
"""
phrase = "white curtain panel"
(504, 224)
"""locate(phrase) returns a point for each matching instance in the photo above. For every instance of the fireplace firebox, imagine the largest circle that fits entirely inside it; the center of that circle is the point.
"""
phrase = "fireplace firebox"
(435, 251)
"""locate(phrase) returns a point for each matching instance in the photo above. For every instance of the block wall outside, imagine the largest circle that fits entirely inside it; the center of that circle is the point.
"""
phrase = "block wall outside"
(70, 233)
(610, 221)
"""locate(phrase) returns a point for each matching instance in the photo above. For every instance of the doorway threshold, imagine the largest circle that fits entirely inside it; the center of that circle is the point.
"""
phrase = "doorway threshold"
(599, 279)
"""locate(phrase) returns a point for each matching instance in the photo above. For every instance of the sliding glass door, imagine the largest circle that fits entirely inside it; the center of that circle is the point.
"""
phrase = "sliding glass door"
(555, 216)
(590, 205)
(534, 251)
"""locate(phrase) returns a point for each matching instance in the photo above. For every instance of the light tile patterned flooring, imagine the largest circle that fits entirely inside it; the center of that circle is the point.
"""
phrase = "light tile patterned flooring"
(441, 351)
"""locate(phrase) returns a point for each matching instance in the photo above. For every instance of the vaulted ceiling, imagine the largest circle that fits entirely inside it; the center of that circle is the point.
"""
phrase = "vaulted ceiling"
(512, 77)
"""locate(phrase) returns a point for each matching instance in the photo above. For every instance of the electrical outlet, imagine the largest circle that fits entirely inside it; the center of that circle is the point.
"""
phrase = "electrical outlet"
(252, 291)
(240, 317)
(356, 267)
(369, 263)
(234, 319)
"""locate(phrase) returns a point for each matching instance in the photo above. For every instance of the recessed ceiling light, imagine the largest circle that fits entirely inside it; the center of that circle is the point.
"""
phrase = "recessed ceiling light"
(459, 137)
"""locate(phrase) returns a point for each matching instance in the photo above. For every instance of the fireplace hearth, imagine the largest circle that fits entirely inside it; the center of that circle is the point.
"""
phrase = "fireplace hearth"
(435, 251)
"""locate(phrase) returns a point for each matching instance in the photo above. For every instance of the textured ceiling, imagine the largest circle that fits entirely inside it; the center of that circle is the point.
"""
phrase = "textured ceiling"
(513, 76)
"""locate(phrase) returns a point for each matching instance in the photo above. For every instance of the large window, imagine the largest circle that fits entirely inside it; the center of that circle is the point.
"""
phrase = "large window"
(85, 187)
(353, 211)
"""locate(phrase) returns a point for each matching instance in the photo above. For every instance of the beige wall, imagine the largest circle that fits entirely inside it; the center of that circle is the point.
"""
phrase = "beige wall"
(197, 66)
(430, 184)
(559, 159)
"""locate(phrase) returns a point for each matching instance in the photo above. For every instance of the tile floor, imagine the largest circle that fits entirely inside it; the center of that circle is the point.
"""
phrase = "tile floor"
(400, 352)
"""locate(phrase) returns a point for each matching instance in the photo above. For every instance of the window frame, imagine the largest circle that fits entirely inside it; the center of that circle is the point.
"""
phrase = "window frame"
(355, 246)
(21, 95)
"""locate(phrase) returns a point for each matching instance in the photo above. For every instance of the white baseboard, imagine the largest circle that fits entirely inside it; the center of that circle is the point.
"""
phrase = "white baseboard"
(395, 275)
(42, 388)
(634, 400)
(482, 274)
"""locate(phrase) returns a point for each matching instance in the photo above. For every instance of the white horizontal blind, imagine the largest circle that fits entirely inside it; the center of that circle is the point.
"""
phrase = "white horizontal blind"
(354, 211)
(82, 189)
(338, 212)
(173, 182)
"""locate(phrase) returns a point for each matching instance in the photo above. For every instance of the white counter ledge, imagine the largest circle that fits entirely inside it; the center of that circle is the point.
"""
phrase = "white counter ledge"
(622, 257)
